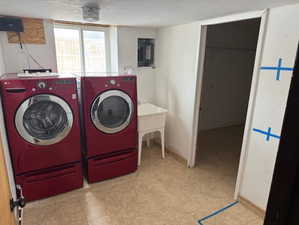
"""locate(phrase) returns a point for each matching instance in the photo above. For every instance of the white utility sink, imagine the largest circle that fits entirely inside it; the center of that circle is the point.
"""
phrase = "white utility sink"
(151, 118)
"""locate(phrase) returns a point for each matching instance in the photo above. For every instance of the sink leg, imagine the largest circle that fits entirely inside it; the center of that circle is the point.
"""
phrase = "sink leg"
(139, 148)
(162, 142)
(148, 140)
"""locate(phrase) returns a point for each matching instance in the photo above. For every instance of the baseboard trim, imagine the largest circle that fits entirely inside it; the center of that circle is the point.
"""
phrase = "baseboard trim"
(252, 206)
(176, 156)
(171, 152)
(222, 126)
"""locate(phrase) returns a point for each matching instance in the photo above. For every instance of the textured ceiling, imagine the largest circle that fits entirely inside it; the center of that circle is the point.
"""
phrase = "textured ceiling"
(137, 12)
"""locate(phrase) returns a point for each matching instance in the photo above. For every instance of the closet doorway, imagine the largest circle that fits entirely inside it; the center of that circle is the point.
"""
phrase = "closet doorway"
(230, 51)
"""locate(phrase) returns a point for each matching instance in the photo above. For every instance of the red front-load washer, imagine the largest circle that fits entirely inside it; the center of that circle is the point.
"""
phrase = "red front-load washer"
(42, 124)
(110, 121)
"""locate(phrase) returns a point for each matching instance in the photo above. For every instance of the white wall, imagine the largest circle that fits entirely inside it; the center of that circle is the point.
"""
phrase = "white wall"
(127, 57)
(229, 62)
(2, 66)
(176, 82)
(15, 59)
(281, 42)
(113, 35)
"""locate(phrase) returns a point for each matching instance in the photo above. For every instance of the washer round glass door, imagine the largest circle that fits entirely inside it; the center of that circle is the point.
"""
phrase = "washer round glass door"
(44, 119)
(111, 111)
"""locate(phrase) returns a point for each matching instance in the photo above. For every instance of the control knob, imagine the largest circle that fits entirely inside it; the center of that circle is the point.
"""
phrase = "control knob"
(113, 82)
(41, 84)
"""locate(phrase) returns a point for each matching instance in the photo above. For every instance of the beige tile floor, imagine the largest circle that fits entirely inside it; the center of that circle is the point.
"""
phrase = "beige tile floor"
(219, 153)
(161, 192)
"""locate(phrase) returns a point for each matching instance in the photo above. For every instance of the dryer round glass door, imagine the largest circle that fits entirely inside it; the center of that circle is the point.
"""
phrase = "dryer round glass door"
(44, 119)
(111, 111)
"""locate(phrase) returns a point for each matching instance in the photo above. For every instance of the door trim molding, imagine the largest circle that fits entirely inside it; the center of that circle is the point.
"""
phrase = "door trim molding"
(254, 84)
(252, 102)
(259, 211)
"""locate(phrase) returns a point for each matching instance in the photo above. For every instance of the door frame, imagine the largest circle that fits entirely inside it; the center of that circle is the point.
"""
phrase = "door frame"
(6, 194)
(253, 91)
(7, 156)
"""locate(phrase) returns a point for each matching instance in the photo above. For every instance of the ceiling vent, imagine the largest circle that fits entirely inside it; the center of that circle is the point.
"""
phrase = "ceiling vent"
(91, 13)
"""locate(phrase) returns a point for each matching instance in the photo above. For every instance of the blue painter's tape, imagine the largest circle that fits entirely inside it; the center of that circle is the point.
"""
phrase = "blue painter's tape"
(275, 68)
(267, 133)
(278, 69)
(217, 212)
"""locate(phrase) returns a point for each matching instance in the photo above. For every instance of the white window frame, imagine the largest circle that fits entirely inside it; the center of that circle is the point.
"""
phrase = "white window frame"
(82, 28)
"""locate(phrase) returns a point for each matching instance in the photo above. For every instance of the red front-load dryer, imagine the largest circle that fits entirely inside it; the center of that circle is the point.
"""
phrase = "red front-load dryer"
(42, 124)
(110, 121)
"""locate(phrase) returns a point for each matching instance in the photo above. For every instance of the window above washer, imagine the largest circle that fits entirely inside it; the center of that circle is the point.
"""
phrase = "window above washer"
(82, 49)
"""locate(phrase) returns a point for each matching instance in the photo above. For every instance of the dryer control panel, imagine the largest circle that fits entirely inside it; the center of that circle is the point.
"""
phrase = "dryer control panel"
(112, 83)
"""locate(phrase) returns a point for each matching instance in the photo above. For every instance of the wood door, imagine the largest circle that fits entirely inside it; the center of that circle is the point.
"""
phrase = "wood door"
(294, 220)
(283, 204)
(6, 217)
